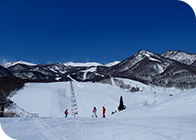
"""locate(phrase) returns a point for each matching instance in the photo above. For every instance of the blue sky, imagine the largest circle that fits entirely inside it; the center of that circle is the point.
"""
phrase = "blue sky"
(49, 31)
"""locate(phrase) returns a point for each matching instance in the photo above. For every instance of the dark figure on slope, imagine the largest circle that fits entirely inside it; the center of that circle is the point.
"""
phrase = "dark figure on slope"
(94, 112)
(121, 105)
(104, 112)
(66, 113)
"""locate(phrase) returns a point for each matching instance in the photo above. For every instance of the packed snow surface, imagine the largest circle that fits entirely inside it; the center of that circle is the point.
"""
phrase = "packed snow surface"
(87, 64)
(153, 113)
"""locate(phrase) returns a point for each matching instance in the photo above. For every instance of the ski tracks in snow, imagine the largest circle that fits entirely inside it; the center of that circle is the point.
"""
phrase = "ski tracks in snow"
(132, 128)
(149, 129)
(45, 131)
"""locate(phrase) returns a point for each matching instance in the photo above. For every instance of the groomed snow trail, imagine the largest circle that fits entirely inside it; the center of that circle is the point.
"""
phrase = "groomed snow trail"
(97, 128)
(45, 130)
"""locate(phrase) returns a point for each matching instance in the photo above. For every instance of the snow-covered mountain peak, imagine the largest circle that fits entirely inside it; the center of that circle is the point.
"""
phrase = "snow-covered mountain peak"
(9, 64)
(88, 64)
(144, 53)
(180, 56)
(112, 63)
(144, 66)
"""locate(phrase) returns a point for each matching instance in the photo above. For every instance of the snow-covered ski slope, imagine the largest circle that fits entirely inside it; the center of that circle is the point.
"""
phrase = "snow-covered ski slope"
(150, 114)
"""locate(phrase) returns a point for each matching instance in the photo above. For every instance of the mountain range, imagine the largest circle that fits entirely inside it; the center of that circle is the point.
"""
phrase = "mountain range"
(170, 69)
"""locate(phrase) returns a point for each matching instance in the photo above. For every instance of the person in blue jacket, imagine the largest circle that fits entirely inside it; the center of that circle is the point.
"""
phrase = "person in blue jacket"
(66, 113)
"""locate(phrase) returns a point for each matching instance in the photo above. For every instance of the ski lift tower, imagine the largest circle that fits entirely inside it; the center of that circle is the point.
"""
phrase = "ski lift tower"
(74, 110)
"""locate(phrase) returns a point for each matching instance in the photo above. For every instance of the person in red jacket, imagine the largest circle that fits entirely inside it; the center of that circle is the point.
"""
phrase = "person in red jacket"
(104, 112)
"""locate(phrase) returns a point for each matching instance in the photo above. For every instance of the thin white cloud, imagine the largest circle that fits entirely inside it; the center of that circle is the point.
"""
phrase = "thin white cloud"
(3, 61)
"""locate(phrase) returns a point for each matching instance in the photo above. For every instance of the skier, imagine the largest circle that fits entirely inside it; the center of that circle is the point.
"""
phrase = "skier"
(66, 113)
(104, 112)
(94, 112)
